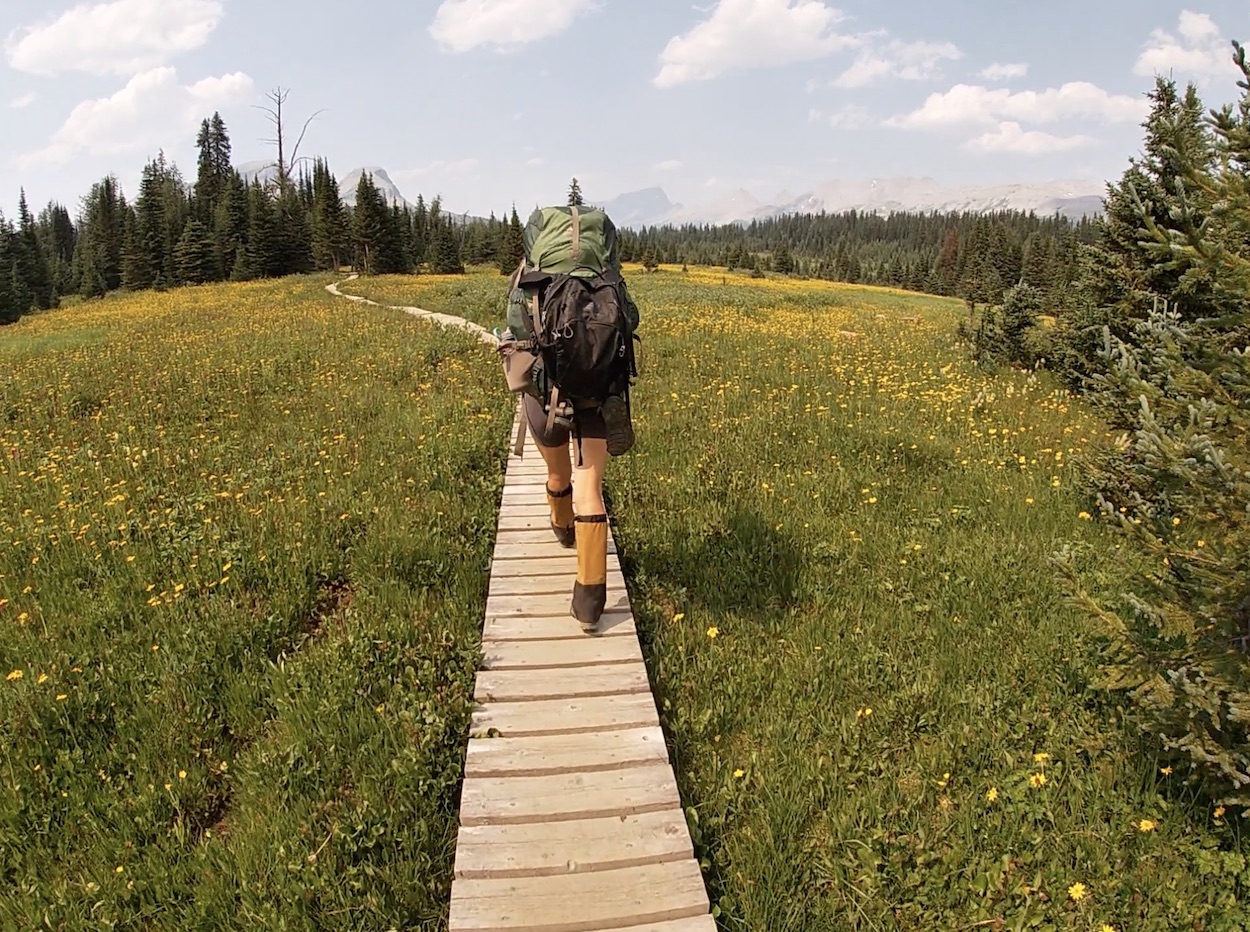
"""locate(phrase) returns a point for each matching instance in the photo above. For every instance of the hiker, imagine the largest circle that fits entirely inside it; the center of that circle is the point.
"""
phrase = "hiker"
(569, 352)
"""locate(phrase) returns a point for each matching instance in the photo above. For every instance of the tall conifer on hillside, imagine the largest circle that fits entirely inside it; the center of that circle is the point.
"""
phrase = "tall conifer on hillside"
(1179, 483)
(512, 246)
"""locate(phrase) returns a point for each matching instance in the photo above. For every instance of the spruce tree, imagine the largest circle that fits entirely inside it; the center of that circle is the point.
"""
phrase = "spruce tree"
(512, 247)
(575, 194)
(1179, 483)
(196, 260)
(32, 264)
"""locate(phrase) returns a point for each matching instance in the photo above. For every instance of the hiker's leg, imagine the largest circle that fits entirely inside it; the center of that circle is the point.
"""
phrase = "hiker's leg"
(554, 449)
(590, 590)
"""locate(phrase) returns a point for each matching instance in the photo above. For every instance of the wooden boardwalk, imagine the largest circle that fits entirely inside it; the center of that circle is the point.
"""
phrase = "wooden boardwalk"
(570, 819)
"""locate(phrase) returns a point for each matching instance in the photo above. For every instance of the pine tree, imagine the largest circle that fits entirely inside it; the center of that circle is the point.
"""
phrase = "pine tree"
(213, 168)
(512, 247)
(101, 239)
(1179, 485)
(371, 227)
(195, 257)
(783, 262)
(330, 239)
(12, 304)
(575, 194)
(32, 264)
(230, 223)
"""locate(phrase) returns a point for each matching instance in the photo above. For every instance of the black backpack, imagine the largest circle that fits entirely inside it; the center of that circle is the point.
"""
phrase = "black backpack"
(570, 304)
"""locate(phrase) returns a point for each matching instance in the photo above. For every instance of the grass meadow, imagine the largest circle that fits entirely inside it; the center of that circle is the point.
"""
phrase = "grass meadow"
(247, 532)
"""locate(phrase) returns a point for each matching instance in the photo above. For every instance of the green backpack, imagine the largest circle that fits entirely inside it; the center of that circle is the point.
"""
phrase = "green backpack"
(568, 306)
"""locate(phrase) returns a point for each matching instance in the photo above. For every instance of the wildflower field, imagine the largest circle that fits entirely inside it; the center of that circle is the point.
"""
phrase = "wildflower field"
(837, 534)
(247, 531)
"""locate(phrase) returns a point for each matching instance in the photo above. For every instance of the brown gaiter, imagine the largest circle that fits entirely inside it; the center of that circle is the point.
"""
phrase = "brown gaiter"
(590, 591)
(561, 505)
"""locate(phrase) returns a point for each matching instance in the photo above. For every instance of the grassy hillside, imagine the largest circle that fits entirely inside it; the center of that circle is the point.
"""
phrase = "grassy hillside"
(250, 531)
(247, 535)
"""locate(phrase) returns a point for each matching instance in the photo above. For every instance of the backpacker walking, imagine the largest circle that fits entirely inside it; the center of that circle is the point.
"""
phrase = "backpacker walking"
(569, 353)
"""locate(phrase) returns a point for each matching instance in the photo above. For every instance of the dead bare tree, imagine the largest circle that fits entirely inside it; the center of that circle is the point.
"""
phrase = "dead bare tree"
(284, 167)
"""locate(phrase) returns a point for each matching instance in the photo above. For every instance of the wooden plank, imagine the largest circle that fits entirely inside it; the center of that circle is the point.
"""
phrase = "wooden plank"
(601, 794)
(555, 627)
(505, 550)
(525, 685)
(546, 584)
(572, 847)
(537, 520)
(580, 902)
(538, 535)
(554, 604)
(567, 652)
(565, 716)
(548, 755)
(693, 924)
(564, 564)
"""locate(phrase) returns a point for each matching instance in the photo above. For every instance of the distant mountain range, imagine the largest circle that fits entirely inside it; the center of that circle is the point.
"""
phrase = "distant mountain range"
(652, 207)
(1071, 199)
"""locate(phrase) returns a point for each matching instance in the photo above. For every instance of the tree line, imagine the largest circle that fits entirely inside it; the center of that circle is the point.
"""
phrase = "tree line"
(223, 227)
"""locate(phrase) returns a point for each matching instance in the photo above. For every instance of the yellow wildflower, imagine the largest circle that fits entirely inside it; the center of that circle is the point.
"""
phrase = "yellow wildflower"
(679, 616)
(15, 675)
(1037, 779)
(991, 794)
(1078, 891)
(713, 631)
(739, 774)
(1146, 825)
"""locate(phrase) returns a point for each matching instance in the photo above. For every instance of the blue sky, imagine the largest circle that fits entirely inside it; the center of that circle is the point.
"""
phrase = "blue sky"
(487, 102)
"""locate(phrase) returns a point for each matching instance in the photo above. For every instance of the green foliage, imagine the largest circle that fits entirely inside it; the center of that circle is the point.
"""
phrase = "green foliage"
(512, 244)
(575, 194)
(1178, 384)
(1004, 334)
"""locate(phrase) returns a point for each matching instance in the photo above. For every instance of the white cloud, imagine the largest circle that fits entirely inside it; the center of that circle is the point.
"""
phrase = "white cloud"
(151, 111)
(1000, 72)
(849, 117)
(910, 61)
(965, 103)
(123, 37)
(1199, 50)
(752, 34)
(1010, 138)
(17, 103)
(462, 25)
(669, 165)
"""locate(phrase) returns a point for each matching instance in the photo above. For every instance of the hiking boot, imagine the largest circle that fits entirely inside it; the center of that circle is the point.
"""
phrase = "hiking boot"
(620, 428)
(590, 590)
(561, 505)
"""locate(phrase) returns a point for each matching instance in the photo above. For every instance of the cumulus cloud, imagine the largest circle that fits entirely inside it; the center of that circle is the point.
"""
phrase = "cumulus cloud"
(1000, 72)
(123, 37)
(1010, 138)
(669, 165)
(152, 110)
(25, 100)
(752, 34)
(910, 61)
(851, 116)
(971, 104)
(1199, 50)
(463, 25)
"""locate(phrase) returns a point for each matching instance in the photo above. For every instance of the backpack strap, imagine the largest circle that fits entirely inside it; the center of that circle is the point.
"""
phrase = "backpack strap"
(551, 412)
(577, 234)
